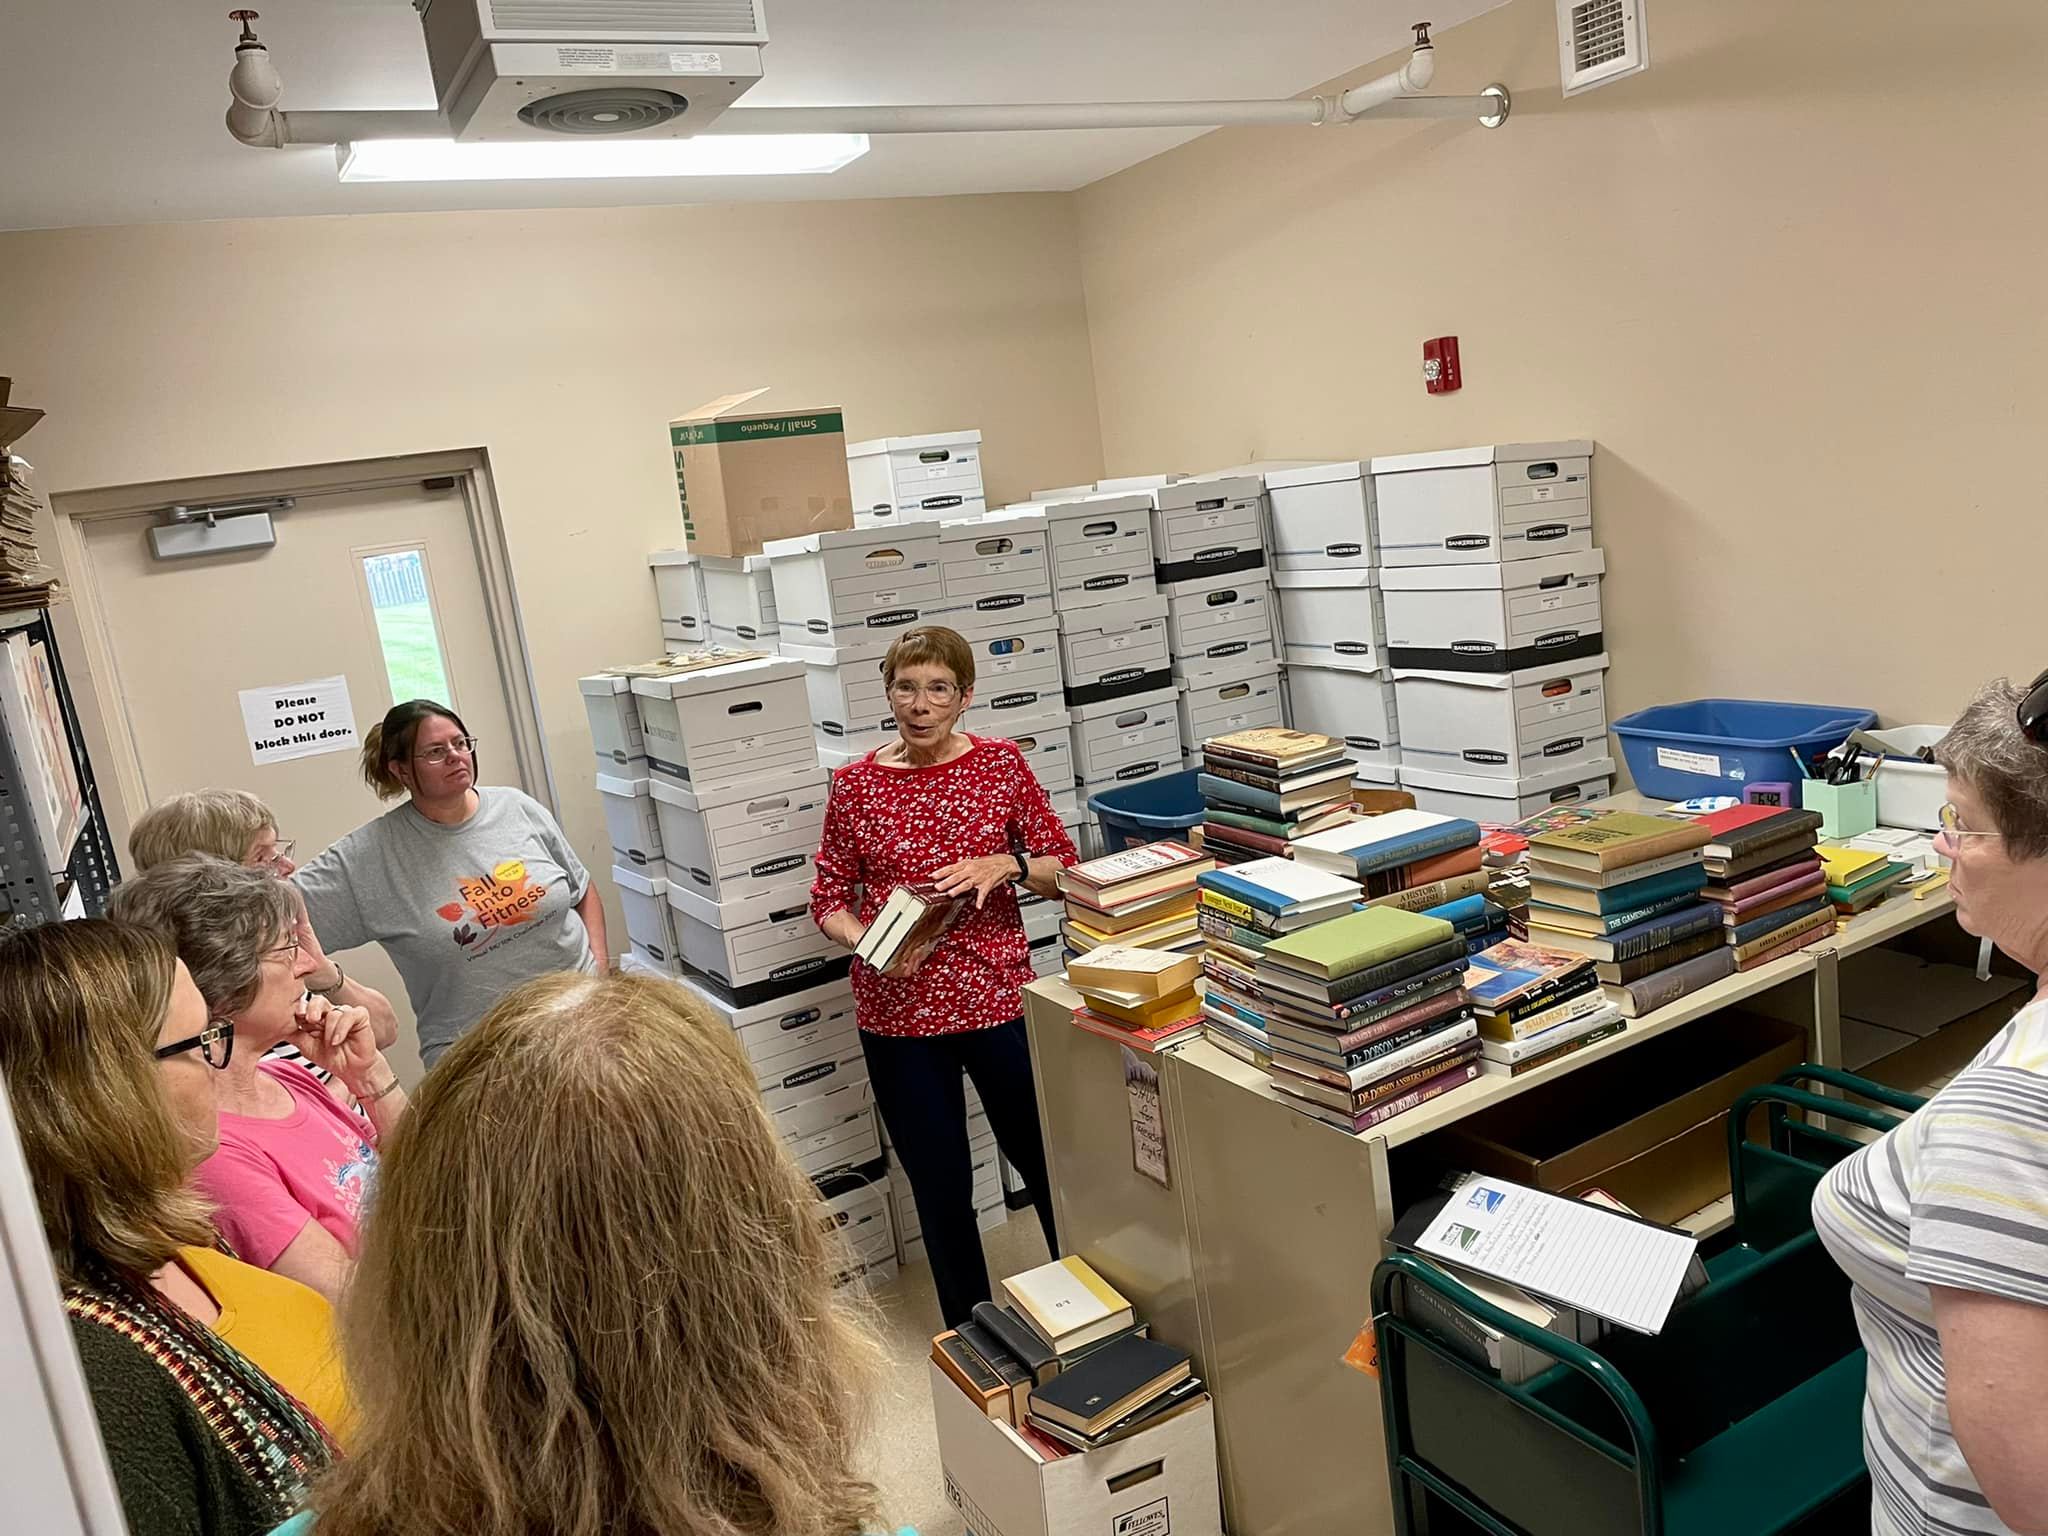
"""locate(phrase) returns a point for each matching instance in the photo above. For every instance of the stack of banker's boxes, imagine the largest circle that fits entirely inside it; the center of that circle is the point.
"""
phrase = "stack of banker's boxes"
(1491, 585)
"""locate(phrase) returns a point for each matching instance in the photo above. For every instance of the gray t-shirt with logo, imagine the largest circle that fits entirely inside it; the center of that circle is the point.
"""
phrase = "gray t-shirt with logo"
(466, 913)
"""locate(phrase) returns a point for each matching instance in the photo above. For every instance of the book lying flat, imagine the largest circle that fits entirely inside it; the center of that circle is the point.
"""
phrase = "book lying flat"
(1335, 775)
(1283, 887)
(1132, 873)
(1444, 1052)
(1130, 975)
(1508, 973)
(915, 915)
(1375, 843)
(1256, 797)
(1736, 913)
(1141, 1016)
(1617, 839)
(1420, 898)
(1111, 1383)
(1569, 920)
(1659, 988)
(1726, 871)
(1740, 829)
(1183, 1396)
(1356, 942)
(1148, 1037)
(1275, 746)
(1686, 878)
(1765, 883)
(1670, 928)
(1870, 890)
(1616, 973)
(1771, 922)
(1610, 1025)
(1369, 989)
(1541, 868)
(1456, 1075)
(1168, 933)
(1356, 1047)
(1845, 866)
(1437, 989)
(1129, 914)
(1422, 1043)
(1786, 941)
(1288, 827)
(1067, 1303)
(1582, 995)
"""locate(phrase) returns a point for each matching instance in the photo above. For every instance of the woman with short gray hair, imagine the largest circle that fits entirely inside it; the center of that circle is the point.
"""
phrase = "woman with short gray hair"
(294, 1166)
(1942, 1225)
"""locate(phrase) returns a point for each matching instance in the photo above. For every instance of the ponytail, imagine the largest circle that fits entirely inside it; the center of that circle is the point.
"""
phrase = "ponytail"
(390, 741)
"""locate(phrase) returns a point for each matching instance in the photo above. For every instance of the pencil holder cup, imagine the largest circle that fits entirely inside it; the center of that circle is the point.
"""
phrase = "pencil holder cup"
(1846, 810)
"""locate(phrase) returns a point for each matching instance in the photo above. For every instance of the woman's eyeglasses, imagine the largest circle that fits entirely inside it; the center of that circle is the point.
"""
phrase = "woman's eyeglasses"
(439, 756)
(1953, 829)
(288, 951)
(215, 1043)
(940, 694)
(276, 853)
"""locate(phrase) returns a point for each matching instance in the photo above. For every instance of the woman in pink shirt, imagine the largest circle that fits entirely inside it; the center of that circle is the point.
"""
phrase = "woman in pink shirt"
(297, 1158)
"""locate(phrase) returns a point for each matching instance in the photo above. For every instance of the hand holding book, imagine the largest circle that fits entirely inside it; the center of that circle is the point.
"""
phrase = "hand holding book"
(976, 877)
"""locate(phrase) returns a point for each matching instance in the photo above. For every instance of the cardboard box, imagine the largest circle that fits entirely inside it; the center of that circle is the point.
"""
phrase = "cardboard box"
(1017, 676)
(1047, 743)
(1473, 506)
(790, 1069)
(1207, 527)
(650, 934)
(909, 479)
(719, 727)
(679, 597)
(849, 706)
(845, 596)
(756, 949)
(614, 717)
(994, 570)
(1331, 619)
(1048, 956)
(847, 1145)
(739, 603)
(1115, 650)
(1132, 739)
(746, 475)
(1649, 1125)
(1358, 708)
(796, 1019)
(765, 842)
(1220, 618)
(1500, 801)
(1101, 549)
(1240, 697)
(1160, 1482)
(807, 1096)
(1504, 725)
(1323, 517)
(1506, 617)
(630, 821)
(1041, 918)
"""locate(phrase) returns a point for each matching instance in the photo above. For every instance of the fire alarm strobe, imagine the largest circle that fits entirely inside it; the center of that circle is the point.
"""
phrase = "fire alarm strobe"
(1440, 374)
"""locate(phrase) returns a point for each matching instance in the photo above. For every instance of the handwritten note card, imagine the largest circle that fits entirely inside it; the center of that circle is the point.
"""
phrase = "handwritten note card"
(1148, 1119)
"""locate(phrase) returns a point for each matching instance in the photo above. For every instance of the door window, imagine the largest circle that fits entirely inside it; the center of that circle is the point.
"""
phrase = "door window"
(402, 598)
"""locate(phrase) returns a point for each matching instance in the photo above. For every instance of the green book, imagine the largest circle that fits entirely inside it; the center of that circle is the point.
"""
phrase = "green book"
(1618, 838)
(1355, 941)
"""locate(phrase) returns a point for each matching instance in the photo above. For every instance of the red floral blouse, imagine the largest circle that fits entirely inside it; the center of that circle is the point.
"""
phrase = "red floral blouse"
(885, 826)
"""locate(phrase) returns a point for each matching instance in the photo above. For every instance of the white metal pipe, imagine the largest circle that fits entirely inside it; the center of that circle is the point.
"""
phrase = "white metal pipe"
(1021, 117)
(1411, 79)
(1438, 106)
(347, 127)
(254, 91)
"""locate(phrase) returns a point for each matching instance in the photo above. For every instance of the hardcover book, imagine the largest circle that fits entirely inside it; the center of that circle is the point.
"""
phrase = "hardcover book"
(1438, 1084)
(1275, 747)
(1424, 1065)
(1616, 973)
(1375, 843)
(1654, 991)
(1356, 942)
(1569, 920)
(1668, 929)
(915, 915)
(1617, 839)
(1682, 881)
(1067, 1303)
(1509, 972)
(1368, 988)
(1756, 928)
(1420, 898)
(1493, 1066)
(1541, 868)
(1115, 1381)
(1725, 871)
(1741, 828)
(1283, 887)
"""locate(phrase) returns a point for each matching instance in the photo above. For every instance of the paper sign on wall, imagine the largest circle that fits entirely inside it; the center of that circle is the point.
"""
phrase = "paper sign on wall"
(296, 720)
(1148, 1119)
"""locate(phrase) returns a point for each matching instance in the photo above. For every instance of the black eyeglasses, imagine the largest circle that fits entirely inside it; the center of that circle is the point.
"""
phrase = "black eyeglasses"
(216, 1043)
(2033, 712)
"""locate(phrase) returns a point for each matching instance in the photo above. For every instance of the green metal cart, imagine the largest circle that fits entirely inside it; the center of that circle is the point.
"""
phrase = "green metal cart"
(1742, 1418)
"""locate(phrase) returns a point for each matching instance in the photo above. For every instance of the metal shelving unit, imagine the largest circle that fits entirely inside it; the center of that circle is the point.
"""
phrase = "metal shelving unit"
(31, 893)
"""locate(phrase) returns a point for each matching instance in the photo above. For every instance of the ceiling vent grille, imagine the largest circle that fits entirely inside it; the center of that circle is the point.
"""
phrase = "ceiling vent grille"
(707, 20)
(1599, 41)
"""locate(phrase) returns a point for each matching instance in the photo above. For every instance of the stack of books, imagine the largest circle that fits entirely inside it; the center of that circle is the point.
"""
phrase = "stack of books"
(1858, 878)
(1408, 859)
(1142, 896)
(916, 915)
(1765, 876)
(1066, 1362)
(1140, 997)
(1534, 1005)
(1366, 1015)
(1625, 891)
(1266, 789)
(1241, 910)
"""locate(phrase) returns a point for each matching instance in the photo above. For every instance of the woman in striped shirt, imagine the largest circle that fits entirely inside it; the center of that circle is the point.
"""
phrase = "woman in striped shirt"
(1942, 1225)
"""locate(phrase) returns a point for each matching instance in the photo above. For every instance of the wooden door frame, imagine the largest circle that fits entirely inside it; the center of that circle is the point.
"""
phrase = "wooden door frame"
(83, 631)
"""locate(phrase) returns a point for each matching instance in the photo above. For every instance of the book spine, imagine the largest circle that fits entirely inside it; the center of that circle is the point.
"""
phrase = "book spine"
(1771, 923)
(1434, 1043)
(1340, 1069)
(1390, 1017)
(1222, 927)
(1614, 922)
(1421, 1071)
(1782, 946)
(1662, 931)
(1547, 993)
(1620, 973)
(1415, 847)
(1232, 900)
(1785, 935)
(1568, 1048)
(1260, 843)
(1443, 1082)
(1436, 894)
(1668, 986)
(1744, 841)
(1234, 793)
(1245, 821)
(1358, 985)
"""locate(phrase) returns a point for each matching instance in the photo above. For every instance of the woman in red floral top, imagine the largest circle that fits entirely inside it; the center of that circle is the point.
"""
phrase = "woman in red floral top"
(966, 813)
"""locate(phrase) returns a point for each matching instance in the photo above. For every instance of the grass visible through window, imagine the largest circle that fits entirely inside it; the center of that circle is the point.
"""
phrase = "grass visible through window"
(405, 625)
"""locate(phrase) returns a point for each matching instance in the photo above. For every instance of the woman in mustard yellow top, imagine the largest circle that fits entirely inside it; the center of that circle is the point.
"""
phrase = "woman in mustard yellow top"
(214, 1383)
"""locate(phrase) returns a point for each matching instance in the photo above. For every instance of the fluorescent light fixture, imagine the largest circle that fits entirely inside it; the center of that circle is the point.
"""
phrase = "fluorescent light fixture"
(737, 154)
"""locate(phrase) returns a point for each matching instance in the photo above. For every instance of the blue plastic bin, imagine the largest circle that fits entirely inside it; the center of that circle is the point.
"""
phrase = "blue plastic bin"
(1716, 746)
(1150, 811)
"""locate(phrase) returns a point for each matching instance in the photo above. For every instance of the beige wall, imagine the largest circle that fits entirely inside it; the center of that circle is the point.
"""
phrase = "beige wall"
(561, 342)
(1791, 280)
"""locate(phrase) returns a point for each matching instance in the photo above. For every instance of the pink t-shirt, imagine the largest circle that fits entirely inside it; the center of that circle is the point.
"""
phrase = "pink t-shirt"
(270, 1177)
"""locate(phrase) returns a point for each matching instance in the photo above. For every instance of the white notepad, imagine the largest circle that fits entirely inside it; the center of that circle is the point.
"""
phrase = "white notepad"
(1600, 1261)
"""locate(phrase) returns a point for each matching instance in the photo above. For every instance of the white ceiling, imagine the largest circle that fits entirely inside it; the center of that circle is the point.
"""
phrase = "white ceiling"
(110, 110)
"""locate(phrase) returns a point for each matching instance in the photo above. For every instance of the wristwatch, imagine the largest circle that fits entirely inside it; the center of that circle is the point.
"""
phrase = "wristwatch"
(340, 980)
(1023, 867)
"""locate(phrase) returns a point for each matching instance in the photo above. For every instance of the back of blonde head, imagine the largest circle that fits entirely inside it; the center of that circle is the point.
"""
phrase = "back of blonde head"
(594, 1295)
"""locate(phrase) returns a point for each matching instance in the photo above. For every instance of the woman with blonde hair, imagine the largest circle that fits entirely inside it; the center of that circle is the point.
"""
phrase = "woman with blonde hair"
(597, 1295)
(210, 1379)
(470, 888)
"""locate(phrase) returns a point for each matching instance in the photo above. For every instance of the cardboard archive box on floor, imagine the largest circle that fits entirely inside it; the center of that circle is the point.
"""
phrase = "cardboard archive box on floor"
(745, 475)
(1648, 1125)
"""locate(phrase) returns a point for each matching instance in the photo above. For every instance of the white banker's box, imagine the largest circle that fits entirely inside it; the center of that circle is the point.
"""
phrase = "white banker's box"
(1475, 506)
(1048, 747)
(908, 479)
(679, 597)
(1323, 517)
(852, 1142)
(758, 948)
(1504, 725)
(1358, 708)
(1115, 649)
(1505, 617)
(614, 724)
(1101, 550)
(1504, 800)
(1207, 527)
(629, 820)
(1016, 677)
(739, 601)
(1221, 618)
(1331, 619)
(793, 1021)
(650, 931)
(995, 570)
(844, 596)
(714, 730)
(1126, 739)
(762, 843)
(1160, 1482)
(1237, 696)
(849, 705)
